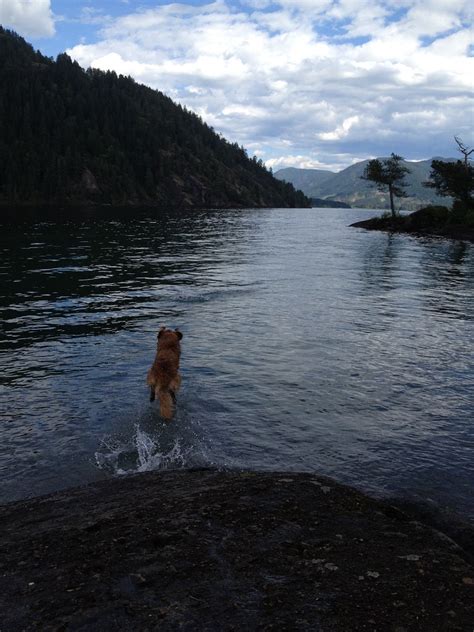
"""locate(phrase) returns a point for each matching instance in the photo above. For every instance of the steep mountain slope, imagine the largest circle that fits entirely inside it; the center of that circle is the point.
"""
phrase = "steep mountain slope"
(348, 186)
(74, 136)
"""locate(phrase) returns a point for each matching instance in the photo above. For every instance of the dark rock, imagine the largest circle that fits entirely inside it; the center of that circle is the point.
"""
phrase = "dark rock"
(432, 221)
(206, 550)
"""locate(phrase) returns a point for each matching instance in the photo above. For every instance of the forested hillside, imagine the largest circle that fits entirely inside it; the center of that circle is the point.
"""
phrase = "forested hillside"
(73, 136)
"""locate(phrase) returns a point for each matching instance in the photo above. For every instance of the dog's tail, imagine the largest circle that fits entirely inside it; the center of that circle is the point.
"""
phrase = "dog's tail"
(167, 401)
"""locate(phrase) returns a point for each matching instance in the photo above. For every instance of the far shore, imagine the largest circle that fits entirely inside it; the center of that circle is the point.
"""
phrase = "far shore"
(90, 206)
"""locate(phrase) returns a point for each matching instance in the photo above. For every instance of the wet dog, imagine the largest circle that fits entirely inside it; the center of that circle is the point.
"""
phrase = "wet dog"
(163, 377)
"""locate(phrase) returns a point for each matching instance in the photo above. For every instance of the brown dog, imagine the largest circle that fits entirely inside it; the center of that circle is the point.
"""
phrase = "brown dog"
(163, 377)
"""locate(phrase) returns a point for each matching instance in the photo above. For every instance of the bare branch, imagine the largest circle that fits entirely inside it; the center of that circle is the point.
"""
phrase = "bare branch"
(466, 152)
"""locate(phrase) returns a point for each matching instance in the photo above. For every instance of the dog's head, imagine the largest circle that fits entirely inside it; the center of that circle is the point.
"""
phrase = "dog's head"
(169, 336)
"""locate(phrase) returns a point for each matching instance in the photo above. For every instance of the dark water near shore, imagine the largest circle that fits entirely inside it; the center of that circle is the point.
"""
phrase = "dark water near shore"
(308, 345)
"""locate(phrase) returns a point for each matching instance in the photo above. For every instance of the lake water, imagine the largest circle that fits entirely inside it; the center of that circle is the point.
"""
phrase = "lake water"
(308, 345)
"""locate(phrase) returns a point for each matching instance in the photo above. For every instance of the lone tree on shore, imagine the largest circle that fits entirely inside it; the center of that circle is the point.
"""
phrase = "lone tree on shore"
(454, 179)
(388, 173)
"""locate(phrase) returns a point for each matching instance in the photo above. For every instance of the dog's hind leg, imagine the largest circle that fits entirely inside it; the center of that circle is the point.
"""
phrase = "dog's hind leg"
(175, 383)
(167, 400)
(150, 380)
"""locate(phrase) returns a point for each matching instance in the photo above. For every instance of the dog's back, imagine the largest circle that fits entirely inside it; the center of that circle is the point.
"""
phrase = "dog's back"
(163, 377)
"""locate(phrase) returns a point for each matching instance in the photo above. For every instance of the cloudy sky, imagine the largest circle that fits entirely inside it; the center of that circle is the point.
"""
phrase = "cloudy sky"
(305, 83)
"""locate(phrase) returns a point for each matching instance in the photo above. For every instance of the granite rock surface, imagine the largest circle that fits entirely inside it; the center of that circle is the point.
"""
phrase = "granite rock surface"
(207, 550)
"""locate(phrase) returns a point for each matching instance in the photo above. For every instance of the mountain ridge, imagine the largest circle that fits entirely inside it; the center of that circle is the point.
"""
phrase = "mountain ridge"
(347, 185)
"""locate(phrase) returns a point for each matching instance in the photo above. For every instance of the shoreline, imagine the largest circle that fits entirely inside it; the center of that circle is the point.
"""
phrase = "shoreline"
(405, 225)
(207, 550)
(123, 206)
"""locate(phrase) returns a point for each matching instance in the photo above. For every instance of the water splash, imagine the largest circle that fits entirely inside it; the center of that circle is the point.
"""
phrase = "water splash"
(141, 454)
(151, 458)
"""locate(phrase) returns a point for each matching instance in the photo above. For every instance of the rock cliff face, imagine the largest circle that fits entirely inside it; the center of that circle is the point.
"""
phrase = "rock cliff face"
(73, 136)
(206, 550)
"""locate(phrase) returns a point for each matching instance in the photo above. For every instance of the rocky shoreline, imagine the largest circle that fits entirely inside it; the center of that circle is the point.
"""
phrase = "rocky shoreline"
(427, 222)
(208, 550)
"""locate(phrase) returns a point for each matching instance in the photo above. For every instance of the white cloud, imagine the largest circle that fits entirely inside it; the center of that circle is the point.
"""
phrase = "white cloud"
(301, 162)
(433, 17)
(338, 162)
(289, 76)
(314, 6)
(342, 130)
(31, 18)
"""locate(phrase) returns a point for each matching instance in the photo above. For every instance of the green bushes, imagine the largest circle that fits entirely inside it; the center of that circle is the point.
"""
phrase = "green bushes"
(462, 213)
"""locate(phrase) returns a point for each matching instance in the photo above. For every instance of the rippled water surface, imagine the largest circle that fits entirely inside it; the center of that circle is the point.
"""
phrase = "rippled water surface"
(308, 345)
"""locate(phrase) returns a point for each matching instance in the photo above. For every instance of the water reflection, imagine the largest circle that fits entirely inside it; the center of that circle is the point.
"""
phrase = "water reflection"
(93, 275)
(440, 272)
(380, 263)
(447, 269)
(457, 252)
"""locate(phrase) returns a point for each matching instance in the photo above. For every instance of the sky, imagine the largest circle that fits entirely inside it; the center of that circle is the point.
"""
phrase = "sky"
(300, 83)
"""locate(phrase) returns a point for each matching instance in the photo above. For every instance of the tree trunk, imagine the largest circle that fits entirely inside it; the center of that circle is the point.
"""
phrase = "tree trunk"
(392, 205)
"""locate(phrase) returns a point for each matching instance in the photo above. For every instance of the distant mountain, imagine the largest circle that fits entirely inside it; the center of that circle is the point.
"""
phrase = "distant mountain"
(320, 203)
(73, 136)
(347, 186)
(305, 179)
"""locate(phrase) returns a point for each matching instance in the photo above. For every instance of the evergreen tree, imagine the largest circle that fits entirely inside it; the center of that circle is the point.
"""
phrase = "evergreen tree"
(69, 135)
(454, 179)
(388, 174)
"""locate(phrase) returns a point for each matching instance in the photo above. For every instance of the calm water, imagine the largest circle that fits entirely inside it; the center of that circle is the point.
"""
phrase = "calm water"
(307, 345)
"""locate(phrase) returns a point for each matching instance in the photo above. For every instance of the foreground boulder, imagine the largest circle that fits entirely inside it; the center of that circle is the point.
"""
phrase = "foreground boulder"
(207, 550)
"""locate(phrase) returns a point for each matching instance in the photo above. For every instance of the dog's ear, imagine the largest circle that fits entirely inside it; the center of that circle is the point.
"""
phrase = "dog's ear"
(178, 333)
